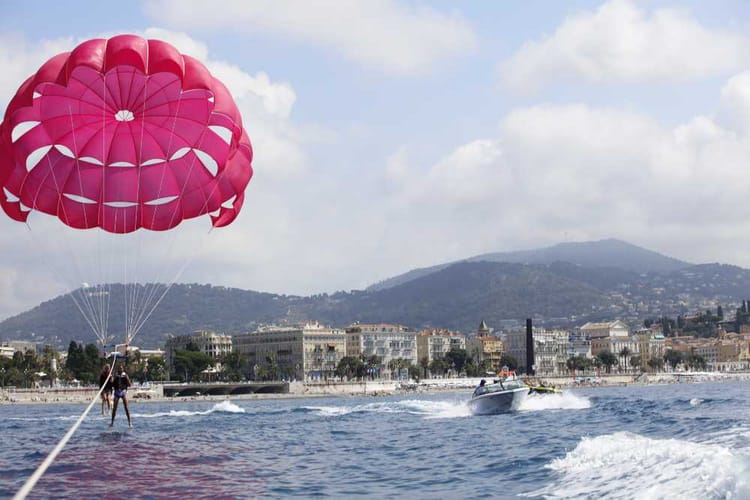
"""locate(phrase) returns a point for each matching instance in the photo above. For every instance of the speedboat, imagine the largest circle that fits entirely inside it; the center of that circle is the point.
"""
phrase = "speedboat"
(504, 394)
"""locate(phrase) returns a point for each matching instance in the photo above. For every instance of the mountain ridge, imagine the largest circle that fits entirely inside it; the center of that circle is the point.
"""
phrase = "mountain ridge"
(457, 296)
(609, 252)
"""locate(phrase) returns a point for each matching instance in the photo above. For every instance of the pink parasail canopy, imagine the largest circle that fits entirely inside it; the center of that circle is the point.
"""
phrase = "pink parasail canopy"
(122, 134)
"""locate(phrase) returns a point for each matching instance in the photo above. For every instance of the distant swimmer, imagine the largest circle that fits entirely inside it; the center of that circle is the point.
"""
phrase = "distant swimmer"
(120, 383)
(105, 382)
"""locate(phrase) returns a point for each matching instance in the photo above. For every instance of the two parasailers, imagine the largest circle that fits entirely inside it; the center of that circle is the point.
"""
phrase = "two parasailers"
(114, 386)
(120, 384)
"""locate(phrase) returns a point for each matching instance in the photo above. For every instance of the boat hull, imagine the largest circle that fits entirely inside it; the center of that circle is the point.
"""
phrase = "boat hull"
(498, 402)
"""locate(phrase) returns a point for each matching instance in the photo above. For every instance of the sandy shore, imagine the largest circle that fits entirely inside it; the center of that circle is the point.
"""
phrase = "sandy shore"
(371, 388)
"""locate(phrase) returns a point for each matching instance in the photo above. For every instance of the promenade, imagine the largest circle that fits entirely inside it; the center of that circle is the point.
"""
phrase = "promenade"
(155, 392)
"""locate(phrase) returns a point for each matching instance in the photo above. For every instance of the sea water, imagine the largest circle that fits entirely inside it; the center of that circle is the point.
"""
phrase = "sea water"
(670, 441)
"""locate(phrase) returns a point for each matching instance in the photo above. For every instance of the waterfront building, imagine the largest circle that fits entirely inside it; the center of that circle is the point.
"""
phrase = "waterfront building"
(149, 353)
(19, 346)
(308, 351)
(211, 343)
(486, 348)
(386, 341)
(615, 328)
(579, 344)
(550, 350)
(617, 345)
(435, 344)
(650, 345)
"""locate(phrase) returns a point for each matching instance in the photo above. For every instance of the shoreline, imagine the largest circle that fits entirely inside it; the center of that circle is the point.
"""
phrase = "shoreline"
(299, 390)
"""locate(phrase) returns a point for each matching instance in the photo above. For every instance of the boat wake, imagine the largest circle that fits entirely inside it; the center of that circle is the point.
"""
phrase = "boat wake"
(223, 407)
(626, 465)
(564, 401)
(422, 408)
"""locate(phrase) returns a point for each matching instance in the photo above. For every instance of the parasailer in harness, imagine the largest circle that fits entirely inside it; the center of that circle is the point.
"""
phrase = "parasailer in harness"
(120, 384)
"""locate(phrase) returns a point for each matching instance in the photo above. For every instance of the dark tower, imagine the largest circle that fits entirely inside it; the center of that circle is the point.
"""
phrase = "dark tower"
(529, 348)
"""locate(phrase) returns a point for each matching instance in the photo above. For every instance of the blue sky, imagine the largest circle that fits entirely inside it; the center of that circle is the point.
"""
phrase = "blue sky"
(391, 135)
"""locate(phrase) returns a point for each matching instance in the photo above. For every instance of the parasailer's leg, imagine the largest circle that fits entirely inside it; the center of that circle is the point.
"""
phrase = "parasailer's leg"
(114, 412)
(127, 410)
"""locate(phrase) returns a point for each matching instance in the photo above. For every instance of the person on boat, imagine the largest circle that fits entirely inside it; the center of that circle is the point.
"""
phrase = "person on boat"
(481, 389)
(105, 384)
(120, 383)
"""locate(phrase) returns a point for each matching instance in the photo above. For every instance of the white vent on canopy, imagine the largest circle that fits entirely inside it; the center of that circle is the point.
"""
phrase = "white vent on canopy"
(124, 115)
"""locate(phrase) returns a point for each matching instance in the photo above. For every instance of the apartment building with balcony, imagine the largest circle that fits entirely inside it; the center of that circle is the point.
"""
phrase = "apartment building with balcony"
(308, 351)
(384, 340)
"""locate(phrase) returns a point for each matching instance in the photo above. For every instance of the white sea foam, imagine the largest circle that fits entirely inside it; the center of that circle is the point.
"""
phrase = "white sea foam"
(626, 465)
(223, 407)
(564, 401)
(45, 419)
(423, 408)
(695, 401)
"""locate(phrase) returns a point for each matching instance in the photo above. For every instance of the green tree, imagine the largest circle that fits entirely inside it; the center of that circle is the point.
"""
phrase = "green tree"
(351, 367)
(188, 364)
(607, 359)
(624, 354)
(695, 361)
(673, 358)
(425, 364)
(655, 364)
(270, 370)
(156, 368)
(234, 366)
(457, 358)
(439, 366)
(578, 363)
(509, 361)
(635, 362)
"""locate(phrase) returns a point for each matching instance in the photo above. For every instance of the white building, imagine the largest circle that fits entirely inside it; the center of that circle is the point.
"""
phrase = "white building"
(386, 341)
(615, 328)
(550, 350)
(308, 351)
(579, 344)
(435, 344)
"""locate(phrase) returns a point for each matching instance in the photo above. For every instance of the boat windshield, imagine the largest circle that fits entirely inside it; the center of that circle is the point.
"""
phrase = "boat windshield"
(503, 384)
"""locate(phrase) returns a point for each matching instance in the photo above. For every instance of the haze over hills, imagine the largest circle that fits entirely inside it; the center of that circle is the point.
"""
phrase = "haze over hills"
(636, 284)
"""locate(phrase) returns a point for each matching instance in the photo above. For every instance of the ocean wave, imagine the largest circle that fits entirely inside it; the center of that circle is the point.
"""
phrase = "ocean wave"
(627, 465)
(423, 408)
(564, 401)
(223, 407)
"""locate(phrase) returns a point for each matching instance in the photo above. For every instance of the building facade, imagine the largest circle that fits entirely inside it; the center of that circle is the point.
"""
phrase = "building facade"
(386, 341)
(550, 350)
(486, 348)
(615, 328)
(308, 351)
(211, 343)
(435, 344)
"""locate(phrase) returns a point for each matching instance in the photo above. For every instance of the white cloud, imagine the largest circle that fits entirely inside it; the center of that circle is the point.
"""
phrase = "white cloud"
(20, 59)
(620, 42)
(390, 36)
(577, 172)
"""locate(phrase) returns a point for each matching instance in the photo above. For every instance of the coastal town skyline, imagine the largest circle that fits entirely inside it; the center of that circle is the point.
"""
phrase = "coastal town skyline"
(500, 128)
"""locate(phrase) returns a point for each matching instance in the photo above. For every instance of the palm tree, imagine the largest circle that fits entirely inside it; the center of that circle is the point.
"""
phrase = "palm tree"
(607, 359)
(624, 354)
